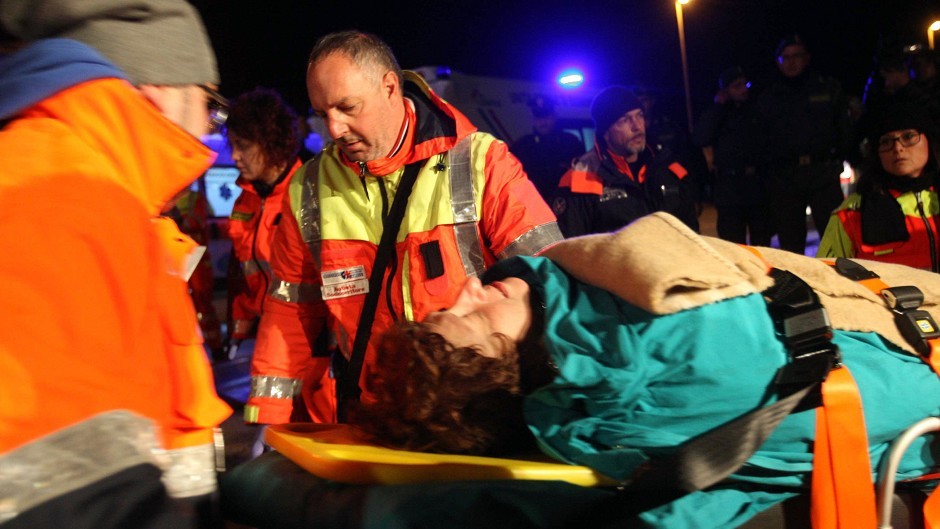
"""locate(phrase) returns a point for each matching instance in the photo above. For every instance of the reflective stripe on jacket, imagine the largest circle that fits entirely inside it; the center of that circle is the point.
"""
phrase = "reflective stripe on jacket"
(97, 316)
(596, 196)
(843, 235)
(471, 205)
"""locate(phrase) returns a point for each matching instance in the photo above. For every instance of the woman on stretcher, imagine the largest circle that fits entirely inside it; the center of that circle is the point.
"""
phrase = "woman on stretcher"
(613, 349)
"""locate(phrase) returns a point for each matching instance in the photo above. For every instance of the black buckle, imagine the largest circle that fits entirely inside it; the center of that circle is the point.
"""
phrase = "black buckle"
(917, 326)
(904, 298)
(852, 270)
(804, 325)
(809, 368)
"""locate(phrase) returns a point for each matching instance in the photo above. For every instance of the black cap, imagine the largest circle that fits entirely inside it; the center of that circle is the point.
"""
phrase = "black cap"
(610, 104)
(789, 40)
(542, 107)
(901, 115)
(730, 75)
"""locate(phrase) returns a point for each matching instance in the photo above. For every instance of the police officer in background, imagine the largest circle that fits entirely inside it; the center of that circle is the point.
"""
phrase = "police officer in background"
(548, 151)
(807, 117)
(733, 140)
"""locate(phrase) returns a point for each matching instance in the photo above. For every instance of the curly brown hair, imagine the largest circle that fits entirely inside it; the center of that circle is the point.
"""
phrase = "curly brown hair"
(263, 117)
(431, 396)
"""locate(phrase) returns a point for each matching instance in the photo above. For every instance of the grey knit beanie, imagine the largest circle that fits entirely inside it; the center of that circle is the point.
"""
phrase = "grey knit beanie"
(160, 42)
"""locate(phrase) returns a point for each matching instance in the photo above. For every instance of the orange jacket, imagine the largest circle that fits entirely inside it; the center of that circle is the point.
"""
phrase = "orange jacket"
(921, 209)
(250, 227)
(471, 205)
(96, 314)
(191, 213)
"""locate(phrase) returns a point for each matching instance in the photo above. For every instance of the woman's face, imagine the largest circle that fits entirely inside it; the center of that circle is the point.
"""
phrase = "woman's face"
(482, 312)
(903, 152)
(249, 159)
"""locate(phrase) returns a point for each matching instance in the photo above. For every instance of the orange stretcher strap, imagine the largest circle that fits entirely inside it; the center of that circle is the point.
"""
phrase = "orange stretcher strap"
(934, 359)
(874, 284)
(843, 494)
(932, 510)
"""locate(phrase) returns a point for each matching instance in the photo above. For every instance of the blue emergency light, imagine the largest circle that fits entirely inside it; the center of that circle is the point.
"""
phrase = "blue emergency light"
(571, 78)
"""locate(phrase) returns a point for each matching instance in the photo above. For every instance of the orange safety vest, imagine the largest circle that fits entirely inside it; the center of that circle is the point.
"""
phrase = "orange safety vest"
(96, 314)
(471, 205)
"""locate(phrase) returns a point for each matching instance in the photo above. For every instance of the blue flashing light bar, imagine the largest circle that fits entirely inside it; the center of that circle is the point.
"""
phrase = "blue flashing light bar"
(571, 79)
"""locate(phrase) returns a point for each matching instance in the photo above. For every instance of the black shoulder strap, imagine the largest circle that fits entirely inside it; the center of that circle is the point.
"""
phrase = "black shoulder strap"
(712, 456)
(347, 372)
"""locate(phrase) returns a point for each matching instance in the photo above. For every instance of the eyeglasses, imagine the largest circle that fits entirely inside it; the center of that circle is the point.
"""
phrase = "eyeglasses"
(791, 56)
(907, 138)
(218, 109)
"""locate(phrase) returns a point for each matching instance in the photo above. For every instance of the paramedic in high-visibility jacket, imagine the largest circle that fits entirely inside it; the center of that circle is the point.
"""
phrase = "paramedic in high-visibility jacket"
(263, 135)
(471, 205)
(108, 411)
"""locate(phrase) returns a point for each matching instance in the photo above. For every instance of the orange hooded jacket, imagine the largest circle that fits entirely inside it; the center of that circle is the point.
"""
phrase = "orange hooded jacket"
(250, 227)
(96, 314)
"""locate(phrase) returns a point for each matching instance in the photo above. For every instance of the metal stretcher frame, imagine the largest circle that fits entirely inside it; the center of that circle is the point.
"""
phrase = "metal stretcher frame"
(889, 466)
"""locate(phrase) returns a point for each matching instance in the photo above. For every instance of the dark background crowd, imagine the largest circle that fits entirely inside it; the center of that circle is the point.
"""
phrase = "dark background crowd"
(614, 42)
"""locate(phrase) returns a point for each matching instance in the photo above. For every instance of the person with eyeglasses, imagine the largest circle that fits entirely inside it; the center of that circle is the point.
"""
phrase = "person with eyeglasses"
(108, 412)
(191, 211)
(893, 215)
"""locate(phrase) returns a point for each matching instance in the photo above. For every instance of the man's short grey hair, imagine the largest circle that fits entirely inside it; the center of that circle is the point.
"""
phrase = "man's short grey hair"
(364, 49)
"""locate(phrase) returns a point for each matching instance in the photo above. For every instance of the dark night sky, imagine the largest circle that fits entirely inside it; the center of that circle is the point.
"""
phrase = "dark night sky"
(266, 43)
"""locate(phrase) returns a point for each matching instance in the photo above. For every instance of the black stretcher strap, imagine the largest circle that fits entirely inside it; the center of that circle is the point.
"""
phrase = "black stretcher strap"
(348, 372)
(712, 456)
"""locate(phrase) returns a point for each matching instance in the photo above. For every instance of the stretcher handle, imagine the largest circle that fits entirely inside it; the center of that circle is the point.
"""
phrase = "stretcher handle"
(889, 466)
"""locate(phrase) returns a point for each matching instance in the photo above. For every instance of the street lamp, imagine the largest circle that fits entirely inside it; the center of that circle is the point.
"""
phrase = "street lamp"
(685, 61)
(933, 28)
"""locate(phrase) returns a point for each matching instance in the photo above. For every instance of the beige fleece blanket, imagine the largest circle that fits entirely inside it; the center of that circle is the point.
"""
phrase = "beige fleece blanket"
(657, 263)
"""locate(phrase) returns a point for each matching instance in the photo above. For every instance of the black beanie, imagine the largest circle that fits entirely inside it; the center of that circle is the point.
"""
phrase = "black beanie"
(729, 76)
(609, 105)
(789, 40)
(901, 115)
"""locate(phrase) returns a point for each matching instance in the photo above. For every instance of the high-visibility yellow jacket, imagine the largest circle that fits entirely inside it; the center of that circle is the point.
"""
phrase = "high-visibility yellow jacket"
(843, 235)
(471, 205)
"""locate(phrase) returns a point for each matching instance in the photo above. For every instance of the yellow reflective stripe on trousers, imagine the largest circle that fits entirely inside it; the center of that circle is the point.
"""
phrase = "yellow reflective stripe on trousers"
(72, 458)
(273, 387)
